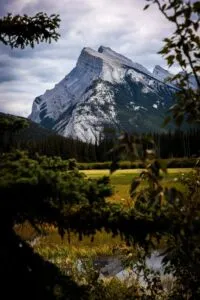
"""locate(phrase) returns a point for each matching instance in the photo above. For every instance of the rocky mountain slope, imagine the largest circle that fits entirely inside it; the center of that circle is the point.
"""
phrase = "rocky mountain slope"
(105, 89)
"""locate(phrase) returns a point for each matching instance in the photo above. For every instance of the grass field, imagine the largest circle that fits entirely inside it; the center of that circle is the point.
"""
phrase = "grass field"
(121, 180)
(98, 173)
(103, 243)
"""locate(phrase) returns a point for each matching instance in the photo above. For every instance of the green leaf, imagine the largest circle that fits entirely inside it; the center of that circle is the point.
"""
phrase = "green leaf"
(146, 7)
(170, 59)
(179, 119)
(166, 121)
(163, 165)
(134, 184)
(114, 166)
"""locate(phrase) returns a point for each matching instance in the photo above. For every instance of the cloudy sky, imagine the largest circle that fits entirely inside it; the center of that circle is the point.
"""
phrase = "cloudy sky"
(121, 25)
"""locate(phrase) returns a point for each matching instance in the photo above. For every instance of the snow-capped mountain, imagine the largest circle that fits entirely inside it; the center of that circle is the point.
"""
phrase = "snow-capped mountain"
(105, 89)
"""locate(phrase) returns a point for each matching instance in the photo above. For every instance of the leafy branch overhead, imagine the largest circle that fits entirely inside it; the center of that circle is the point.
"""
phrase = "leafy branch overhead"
(183, 48)
(21, 31)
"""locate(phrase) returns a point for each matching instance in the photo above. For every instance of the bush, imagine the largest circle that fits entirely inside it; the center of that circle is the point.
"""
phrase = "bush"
(170, 163)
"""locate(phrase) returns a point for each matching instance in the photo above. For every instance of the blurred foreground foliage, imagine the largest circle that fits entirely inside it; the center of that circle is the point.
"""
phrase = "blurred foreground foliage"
(51, 191)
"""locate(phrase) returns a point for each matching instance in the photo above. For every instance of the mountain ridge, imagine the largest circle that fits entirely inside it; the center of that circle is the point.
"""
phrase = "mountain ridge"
(91, 97)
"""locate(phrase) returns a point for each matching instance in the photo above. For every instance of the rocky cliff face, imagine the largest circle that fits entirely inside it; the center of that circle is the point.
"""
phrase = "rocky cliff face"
(105, 89)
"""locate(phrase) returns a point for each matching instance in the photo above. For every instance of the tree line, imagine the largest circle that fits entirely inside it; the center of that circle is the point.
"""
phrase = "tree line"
(35, 139)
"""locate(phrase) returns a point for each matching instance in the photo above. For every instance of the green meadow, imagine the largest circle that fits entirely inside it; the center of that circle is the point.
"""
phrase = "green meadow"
(121, 180)
(51, 246)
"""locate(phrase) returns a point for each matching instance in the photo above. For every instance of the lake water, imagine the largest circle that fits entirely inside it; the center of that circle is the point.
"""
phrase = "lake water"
(112, 265)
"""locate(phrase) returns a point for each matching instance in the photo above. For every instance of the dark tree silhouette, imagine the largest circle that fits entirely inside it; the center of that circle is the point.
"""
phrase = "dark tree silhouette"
(21, 31)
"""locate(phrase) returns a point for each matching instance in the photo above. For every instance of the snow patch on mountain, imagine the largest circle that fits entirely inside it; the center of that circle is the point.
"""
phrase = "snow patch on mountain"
(89, 118)
(155, 105)
(97, 92)
(122, 60)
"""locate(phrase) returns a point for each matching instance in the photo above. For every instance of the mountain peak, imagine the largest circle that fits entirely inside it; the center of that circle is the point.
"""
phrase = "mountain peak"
(88, 51)
(102, 49)
(159, 68)
(105, 88)
(160, 73)
(107, 55)
(89, 57)
(110, 54)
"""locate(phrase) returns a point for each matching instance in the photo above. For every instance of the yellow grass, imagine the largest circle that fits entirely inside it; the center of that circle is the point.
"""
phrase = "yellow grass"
(106, 172)
(103, 242)
(121, 180)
